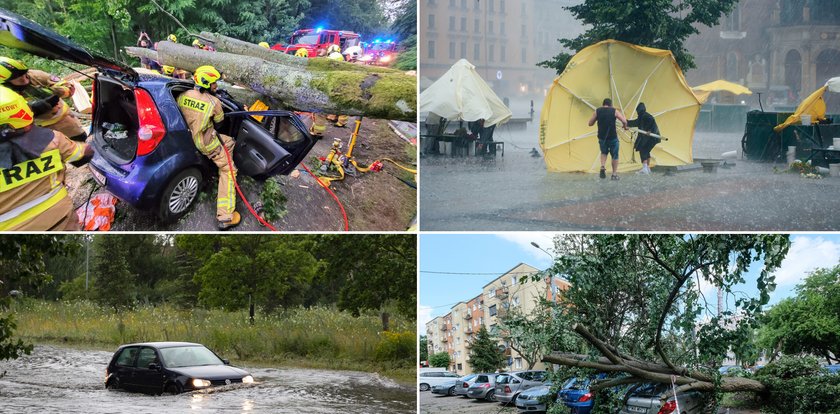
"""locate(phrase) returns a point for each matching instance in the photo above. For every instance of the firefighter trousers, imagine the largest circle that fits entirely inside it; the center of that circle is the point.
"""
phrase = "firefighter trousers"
(226, 199)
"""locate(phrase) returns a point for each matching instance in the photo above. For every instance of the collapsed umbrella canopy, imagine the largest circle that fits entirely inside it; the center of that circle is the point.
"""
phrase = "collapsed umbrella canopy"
(462, 94)
(703, 91)
(627, 74)
(813, 106)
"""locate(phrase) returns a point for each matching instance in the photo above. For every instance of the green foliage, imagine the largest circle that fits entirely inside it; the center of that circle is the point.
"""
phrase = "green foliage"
(271, 271)
(424, 348)
(396, 346)
(115, 282)
(810, 321)
(74, 289)
(320, 337)
(532, 335)
(22, 260)
(663, 24)
(439, 360)
(405, 30)
(365, 17)
(796, 385)
(485, 355)
(274, 201)
(407, 59)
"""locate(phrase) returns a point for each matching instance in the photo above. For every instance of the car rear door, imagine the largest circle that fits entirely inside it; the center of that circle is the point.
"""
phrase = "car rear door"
(124, 367)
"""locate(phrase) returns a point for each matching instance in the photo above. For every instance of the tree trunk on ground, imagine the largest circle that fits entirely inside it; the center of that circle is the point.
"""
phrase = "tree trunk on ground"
(644, 371)
(322, 85)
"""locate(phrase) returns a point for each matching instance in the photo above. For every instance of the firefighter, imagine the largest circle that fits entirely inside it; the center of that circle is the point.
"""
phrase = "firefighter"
(264, 44)
(302, 53)
(38, 85)
(197, 44)
(168, 70)
(202, 109)
(32, 192)
(172, 38)
(334, 53)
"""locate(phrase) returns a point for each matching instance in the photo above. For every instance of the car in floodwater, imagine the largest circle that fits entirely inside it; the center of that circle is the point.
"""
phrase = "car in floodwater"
(143, 149)
(170, 367)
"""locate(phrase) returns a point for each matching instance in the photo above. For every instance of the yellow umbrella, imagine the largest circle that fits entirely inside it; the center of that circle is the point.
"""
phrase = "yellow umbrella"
(628, 74)
(813, 105)
(703, 91)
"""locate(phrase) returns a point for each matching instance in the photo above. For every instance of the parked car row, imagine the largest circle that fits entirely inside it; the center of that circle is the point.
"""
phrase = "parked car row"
(529, 391)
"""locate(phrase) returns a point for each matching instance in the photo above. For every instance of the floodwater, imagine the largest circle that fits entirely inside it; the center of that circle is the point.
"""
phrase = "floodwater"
(515, 193)
(67, 380)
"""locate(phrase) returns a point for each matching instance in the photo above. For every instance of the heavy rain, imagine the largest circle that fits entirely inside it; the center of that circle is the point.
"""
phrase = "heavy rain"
(736, 173)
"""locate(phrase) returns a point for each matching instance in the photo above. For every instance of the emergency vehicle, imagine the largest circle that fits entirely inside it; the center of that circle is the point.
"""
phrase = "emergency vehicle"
(314, 40)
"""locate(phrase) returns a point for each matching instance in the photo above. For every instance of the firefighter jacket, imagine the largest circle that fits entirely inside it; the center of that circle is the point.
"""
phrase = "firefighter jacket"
(32, 191)
(42, 85)
(201, 110)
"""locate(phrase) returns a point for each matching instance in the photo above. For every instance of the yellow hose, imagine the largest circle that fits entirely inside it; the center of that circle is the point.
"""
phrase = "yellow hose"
(400, 166)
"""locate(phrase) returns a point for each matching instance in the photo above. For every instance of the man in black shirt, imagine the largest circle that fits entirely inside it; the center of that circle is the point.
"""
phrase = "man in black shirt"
(607, 137)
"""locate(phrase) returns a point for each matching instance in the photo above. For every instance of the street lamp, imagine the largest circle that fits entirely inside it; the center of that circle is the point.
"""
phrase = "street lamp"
(544, 251)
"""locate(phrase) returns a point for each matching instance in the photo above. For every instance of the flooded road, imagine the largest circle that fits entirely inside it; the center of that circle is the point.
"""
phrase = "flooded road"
(515, 192)
(55, 379)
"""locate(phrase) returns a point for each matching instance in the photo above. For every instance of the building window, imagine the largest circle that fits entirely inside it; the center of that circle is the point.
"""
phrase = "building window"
(524, 56)
(516, 301)
(491, 55)
(490, 27)
(517, 363)
(524, 31)
(477, 26)
(503, 53)
(733, 20)
(464, 24)
(491, 6)
(464, 56)
(501, 28)
(524, 10)
(476, 5)
(493, 310)
(491, 294)
(431, 49)
(451, 4)
(502, 6)
(512, 280)
(452, 50)
(476, 52)
(481, 320)
(451, 23)
(431, 21)
(463, 4)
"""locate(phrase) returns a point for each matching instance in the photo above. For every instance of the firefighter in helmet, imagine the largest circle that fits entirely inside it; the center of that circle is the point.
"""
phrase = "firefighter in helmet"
(265, 45)
(172, 38)
(168, 70)
(334, 53)
(202, 110)
(302, 53)
(43, 87)
(32, 192)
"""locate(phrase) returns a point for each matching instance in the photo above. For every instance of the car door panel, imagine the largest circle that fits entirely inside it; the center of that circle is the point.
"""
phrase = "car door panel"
(148, 380)
(257, 153)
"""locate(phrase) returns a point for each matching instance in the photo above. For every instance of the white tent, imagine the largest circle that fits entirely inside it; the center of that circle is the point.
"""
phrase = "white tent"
(461, 94)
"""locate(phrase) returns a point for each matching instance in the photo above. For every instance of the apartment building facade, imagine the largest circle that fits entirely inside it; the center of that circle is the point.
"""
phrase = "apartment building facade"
(454, 332)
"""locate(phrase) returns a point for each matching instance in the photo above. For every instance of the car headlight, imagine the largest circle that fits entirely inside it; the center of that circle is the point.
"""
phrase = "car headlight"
(199, 383)
(247, 379)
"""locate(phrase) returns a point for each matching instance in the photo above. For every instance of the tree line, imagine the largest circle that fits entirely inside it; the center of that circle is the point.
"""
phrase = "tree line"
(354, 273)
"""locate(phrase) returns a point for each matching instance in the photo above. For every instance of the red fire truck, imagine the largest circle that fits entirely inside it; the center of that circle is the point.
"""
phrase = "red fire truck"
(314, 40)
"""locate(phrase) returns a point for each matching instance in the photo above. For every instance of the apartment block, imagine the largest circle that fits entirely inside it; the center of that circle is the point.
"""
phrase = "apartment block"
(515, 289)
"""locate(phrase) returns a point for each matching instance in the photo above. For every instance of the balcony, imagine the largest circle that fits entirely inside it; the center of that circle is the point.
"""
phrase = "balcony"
(468, 331)
(507, 352)
(501, 313)
(444, 339)
(468, 316)
(502, 294)
(443, 328)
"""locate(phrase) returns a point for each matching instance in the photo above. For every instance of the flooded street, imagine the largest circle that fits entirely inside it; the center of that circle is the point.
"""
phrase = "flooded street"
(55, 379)
(515, 192)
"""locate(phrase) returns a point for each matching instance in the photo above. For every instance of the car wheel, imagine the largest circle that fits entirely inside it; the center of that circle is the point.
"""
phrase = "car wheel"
(424, 387)
(513, 400)
(491, 395)
(113, 383)
(179, 195)
(172, 389)
(451, 391)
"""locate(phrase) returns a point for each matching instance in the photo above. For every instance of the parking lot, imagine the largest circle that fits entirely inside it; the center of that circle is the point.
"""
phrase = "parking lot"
(435, 403)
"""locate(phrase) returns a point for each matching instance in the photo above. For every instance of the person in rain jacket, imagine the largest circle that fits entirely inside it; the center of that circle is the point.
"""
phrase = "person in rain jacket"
(644, 142)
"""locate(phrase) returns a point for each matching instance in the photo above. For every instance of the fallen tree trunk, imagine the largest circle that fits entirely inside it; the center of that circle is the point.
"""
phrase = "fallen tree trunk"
(240, 47)
(322, 86)
(641, 371)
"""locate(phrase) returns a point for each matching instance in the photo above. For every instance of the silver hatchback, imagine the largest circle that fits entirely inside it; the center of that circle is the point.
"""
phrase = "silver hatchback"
(508, 386)
(483, 387)
(645, 400)
(463, 384)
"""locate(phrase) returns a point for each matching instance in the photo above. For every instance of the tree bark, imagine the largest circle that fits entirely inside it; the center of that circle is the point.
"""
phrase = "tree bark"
(319, 85)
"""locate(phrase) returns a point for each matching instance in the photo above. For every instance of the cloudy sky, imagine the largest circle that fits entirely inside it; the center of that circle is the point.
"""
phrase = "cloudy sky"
(481, 258)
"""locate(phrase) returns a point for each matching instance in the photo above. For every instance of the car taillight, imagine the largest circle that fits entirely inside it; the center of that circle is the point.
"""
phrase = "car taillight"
(507, 389)
(585, 397)
(668, 408)
(151, 130)
(487, 385)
